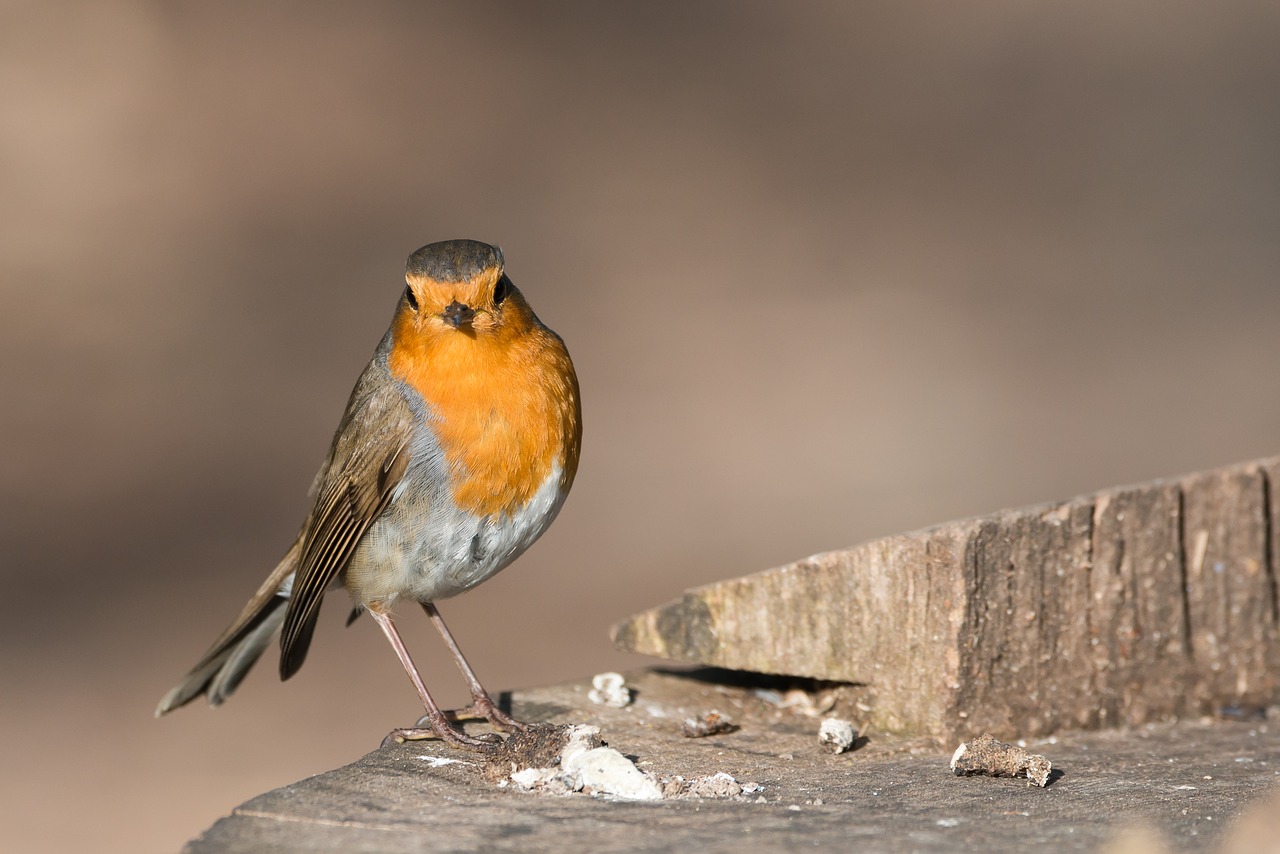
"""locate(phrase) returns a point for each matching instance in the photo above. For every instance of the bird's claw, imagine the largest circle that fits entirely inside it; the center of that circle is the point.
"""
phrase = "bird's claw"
(485, 743)
(482, 710)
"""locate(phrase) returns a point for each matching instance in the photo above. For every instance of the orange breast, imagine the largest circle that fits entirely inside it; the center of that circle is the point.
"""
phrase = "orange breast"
(505, 405)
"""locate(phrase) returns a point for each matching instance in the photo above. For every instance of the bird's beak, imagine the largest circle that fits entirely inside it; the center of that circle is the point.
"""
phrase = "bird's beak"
(458, 315)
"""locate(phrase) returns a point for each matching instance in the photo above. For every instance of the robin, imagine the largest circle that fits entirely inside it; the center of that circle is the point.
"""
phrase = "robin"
(456, 451)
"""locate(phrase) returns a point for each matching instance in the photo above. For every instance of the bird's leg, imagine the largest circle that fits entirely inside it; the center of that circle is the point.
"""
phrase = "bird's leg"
(437, 723)
(481, 703)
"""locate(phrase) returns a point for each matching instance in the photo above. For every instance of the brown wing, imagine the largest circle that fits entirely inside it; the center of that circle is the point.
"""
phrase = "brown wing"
(364, 468)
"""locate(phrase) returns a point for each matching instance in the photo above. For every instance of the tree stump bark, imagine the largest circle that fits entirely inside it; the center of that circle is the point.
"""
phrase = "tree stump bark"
(1126, 606)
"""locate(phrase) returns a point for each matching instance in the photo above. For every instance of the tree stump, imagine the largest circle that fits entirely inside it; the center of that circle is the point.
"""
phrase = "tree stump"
(1130, 605)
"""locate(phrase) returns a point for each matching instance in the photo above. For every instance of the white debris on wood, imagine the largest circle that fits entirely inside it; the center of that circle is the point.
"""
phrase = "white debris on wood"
(605, 771)
(581, 739)
(586, 765)
(719, 785)
(797, 701)
(532, 778)
(836, 735)
(609, 689)
(440, 761)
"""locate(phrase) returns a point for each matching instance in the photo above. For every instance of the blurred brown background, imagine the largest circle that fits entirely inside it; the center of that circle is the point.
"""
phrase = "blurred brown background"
(829, 271)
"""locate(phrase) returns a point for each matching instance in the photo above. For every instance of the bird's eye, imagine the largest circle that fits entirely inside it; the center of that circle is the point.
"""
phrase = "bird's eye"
(411, 298)
(501, 289)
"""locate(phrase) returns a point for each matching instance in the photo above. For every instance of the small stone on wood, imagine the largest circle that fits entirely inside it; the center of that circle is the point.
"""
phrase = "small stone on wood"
(836, 735)
(609, 689)
(986, 756)
(711, 723)
(719, 785)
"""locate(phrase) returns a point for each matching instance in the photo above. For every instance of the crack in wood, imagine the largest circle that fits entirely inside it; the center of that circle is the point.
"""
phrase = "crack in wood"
(1185, 586)
(1268, 541)
(324, 822)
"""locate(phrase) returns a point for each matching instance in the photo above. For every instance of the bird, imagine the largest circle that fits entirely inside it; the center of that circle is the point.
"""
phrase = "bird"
(457, 449)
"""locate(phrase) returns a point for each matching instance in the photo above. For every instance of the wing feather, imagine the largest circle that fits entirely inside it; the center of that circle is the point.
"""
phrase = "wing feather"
(364, 470)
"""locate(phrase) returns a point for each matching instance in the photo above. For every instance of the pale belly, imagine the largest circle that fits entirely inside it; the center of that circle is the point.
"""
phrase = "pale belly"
(422, 548)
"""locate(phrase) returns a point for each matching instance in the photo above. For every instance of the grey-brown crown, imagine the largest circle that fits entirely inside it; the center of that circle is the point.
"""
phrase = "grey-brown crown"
(453, 260)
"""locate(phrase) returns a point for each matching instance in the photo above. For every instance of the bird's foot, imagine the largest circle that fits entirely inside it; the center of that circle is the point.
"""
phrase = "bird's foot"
(430, 726)
(484, 709)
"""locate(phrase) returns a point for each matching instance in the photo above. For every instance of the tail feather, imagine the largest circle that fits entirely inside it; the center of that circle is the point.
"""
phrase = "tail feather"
(219, 672)
(245, 655)
(190, 687)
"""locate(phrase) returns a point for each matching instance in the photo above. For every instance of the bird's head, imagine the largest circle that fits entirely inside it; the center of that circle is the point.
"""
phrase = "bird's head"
(459, 287)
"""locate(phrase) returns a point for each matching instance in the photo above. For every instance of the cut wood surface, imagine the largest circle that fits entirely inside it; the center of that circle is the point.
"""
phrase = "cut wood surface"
(1130, 605)
(1189, 781)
